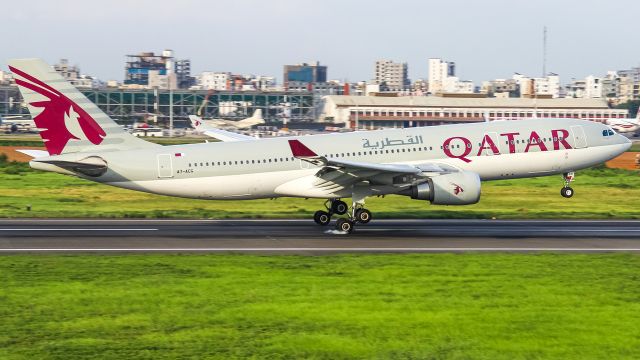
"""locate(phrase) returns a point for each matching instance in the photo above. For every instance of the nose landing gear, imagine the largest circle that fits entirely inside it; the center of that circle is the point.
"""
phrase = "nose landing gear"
(567, 191)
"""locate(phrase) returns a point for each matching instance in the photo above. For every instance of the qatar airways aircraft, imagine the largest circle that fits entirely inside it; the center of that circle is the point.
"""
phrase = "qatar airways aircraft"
(443, 165)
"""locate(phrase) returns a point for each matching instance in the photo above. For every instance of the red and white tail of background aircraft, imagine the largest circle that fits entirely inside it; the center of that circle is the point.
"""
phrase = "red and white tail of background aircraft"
(625, 125)
(443, 165)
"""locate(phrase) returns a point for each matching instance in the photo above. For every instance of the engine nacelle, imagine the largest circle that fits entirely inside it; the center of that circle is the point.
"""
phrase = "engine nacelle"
(460, 188)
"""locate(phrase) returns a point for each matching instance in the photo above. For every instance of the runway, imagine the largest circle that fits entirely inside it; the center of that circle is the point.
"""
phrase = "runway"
(304, 237)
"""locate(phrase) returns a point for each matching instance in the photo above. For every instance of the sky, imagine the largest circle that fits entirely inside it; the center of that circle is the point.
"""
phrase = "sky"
(486, 39)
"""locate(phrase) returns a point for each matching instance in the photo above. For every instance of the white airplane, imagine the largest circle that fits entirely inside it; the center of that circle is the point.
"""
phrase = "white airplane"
(255, 119)
(625, 125)
(443, 165)
(222, 135)
(17, 120)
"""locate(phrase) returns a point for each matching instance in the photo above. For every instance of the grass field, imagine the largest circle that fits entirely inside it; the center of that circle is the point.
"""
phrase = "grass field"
(444, 306)
(600, 193)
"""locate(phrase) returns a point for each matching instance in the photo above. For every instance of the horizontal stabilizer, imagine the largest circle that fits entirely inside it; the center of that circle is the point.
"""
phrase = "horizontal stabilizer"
(92, 166)
(34, 153)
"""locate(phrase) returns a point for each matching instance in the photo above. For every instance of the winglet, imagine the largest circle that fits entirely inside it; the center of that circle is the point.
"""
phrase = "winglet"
(298, 149)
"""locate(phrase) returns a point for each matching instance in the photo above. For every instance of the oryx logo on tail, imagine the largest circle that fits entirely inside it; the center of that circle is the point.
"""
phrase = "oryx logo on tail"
(61, 119)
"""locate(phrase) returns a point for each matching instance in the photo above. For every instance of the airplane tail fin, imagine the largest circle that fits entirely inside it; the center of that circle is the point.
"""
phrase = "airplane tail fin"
(196, 122)
(68, 122)
(255, 119)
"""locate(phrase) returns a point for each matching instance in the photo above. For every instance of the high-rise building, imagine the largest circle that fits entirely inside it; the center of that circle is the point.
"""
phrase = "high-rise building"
(629, 84)
(308, 73)
(163, 71)
(392, 76)
(439, 71)
(183, 74)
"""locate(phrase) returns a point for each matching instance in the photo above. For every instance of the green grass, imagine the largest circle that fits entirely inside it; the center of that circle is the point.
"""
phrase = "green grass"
(428, 306)
(600, 193)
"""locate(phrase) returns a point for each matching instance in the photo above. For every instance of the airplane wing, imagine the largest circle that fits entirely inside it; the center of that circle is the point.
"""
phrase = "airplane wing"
(300, 151)
(216, 133)
(335, 176)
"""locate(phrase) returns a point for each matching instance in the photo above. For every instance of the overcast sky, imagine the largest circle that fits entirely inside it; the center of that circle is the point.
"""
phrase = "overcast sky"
(487, 39)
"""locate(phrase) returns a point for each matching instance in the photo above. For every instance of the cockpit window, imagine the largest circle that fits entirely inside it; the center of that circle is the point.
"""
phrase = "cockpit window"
(607, 132)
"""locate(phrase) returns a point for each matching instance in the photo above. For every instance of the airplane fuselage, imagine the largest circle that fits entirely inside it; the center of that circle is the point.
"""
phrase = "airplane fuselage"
(262, 169)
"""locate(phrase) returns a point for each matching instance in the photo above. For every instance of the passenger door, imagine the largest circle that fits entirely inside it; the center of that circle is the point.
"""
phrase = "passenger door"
(165, 166)
(579, 138)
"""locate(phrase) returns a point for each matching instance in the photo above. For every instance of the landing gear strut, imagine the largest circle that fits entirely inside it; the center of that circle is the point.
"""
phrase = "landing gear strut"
(567, 191)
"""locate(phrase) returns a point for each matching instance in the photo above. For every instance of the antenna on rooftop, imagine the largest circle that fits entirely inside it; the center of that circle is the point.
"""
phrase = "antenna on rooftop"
(544, 51)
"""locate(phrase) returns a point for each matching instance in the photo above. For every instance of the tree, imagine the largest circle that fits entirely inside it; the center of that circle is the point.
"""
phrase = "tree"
(632, 106)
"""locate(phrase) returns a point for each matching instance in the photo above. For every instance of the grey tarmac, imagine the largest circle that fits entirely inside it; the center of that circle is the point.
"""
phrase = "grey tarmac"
(305, 237)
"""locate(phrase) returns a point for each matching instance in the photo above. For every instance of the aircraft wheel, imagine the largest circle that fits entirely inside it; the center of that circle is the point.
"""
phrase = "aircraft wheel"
(566, 192)
(339, 207)
(344, 225)
(322, 217)
(363, 216)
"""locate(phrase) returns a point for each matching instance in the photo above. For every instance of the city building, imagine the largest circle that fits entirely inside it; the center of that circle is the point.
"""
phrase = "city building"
(5, 78)
(213, 80)
(183, 74)
(593, 87)
(72, 75)
(439, 70)
(548, 86)
(501, 88)
(147, 70)
(629, 84)
(308, 73)
(372, 112)
(392, 76)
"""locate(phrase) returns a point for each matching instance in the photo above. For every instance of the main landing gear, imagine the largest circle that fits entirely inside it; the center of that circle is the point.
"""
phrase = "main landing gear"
(567, 191)
(335, 206)
(358, 214)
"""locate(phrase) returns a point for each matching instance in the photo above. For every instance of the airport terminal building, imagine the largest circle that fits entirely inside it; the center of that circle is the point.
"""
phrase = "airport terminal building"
(371, 112)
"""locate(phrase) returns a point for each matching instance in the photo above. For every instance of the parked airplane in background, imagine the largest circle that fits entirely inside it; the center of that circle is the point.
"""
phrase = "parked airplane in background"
(255, 119)
(214, 132)
(443, 165)
(625, 125)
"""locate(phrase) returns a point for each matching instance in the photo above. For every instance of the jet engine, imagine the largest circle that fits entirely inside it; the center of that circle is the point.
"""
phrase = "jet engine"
(460, 188)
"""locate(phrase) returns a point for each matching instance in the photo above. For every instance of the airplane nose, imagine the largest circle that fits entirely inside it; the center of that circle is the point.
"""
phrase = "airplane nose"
(625, 141)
